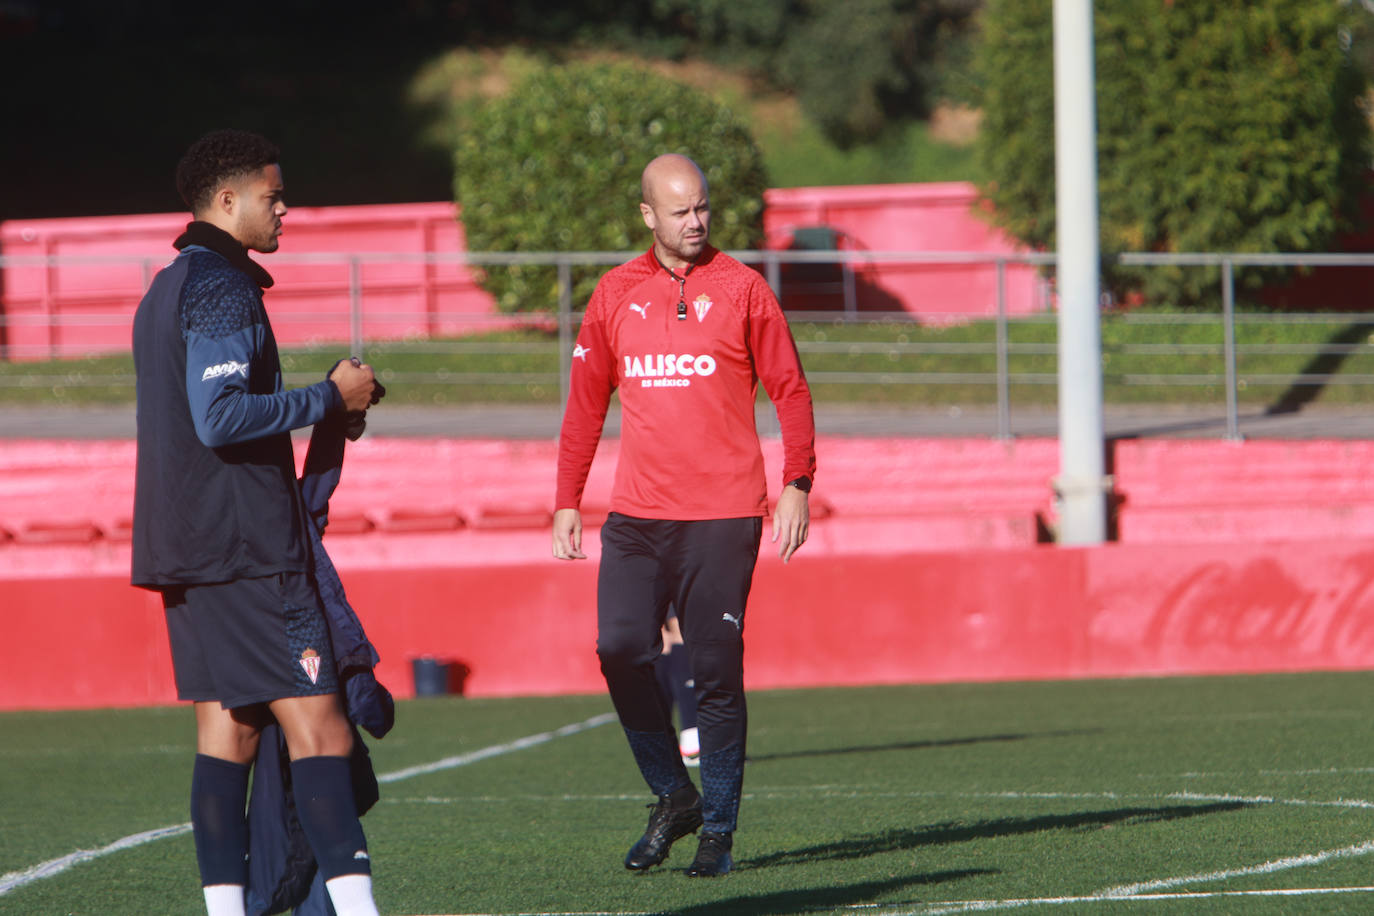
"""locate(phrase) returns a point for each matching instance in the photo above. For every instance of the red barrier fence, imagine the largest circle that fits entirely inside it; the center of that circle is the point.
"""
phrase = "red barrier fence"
(1027, 613)
(923, 565)
(83, 302)
(933, 217)
(877, 495)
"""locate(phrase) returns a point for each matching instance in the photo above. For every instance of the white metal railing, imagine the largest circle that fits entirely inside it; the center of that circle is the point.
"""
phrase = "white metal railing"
(564, 317)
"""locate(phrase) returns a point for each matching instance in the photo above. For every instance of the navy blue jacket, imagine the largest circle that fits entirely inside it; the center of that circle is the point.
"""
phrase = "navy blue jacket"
(282, 870)
(215, 495)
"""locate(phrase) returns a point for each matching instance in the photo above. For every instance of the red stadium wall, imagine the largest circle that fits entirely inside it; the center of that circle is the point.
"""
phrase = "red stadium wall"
(972, 615)
(924, 565)
(72, 309)
(934, 217)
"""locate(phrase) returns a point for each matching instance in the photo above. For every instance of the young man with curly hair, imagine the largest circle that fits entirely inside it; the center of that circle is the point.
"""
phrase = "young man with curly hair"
(220, 526)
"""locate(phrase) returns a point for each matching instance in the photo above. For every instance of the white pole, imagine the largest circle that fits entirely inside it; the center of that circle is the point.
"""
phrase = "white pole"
(1081, 487)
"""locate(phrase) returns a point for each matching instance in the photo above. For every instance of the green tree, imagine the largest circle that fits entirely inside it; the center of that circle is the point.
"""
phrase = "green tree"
(856, 66)
(554, 165)
(1221, 127)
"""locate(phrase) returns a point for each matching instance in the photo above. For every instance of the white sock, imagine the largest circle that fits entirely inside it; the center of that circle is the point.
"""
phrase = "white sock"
(352, 895)
(224, 900)
(689, 742)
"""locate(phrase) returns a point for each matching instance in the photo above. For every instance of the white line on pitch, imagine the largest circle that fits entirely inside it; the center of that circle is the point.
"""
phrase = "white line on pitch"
(496, 750)
(824, 792)
(1264, 868)
(1182, 796)
(973, 906)
(1232, 774)
(983, 906)
(16, 879)
(52, 867)
(1146, 890)
(511, 799)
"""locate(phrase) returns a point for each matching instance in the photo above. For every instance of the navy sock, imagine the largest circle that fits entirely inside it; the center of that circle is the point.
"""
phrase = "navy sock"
(323, 788)
(722, 780)
(659, 761)
(219, 795)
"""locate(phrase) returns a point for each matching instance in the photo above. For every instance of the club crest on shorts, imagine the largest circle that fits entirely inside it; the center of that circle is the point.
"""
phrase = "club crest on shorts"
(310, 661)
(703, 305)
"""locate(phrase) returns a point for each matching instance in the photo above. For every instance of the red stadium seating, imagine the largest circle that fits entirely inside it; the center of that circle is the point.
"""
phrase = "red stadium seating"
(927, 564)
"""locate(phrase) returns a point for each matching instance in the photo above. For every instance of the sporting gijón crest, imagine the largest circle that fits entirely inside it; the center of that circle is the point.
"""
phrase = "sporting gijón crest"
(702, 304)
(310, 661)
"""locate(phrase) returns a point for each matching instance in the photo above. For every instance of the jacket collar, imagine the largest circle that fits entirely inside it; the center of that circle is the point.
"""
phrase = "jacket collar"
(708, 254)
(208, 235)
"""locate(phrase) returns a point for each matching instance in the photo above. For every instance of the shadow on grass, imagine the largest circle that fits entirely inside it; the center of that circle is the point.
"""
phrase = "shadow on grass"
(820, 898)
(953, 832)
(915, 745)
(1216, 423)
(1299, 396)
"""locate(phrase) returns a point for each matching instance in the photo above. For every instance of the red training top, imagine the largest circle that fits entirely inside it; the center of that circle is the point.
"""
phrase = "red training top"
(689, 449)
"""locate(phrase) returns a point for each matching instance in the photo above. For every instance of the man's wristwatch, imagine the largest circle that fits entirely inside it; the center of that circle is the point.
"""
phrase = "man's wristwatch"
(801, 483)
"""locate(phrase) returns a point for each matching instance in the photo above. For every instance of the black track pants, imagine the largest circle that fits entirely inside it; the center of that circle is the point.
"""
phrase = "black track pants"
(704, 568)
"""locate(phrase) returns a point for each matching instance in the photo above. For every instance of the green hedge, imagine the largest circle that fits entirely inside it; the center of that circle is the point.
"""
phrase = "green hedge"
(555, 164)
(1222, 126)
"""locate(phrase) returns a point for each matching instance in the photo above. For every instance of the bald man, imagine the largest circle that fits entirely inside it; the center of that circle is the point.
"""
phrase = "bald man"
(686, 333)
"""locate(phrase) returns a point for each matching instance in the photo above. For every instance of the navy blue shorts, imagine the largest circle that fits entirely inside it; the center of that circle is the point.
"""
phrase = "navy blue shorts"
(249, 641)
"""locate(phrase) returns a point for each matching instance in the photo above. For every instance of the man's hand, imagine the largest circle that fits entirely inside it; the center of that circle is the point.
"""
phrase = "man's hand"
(567, 535)
(355, 382)
(791, 521)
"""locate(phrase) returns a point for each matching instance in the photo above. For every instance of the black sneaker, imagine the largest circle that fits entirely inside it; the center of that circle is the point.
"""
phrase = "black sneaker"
(713, 856)
(671, 820)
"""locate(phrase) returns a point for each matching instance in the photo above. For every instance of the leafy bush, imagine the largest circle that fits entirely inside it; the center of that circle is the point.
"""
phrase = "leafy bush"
(1221, 127)
(555, 166)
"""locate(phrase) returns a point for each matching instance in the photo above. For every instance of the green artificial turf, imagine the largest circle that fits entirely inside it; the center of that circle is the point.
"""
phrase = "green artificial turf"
(902, 799)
